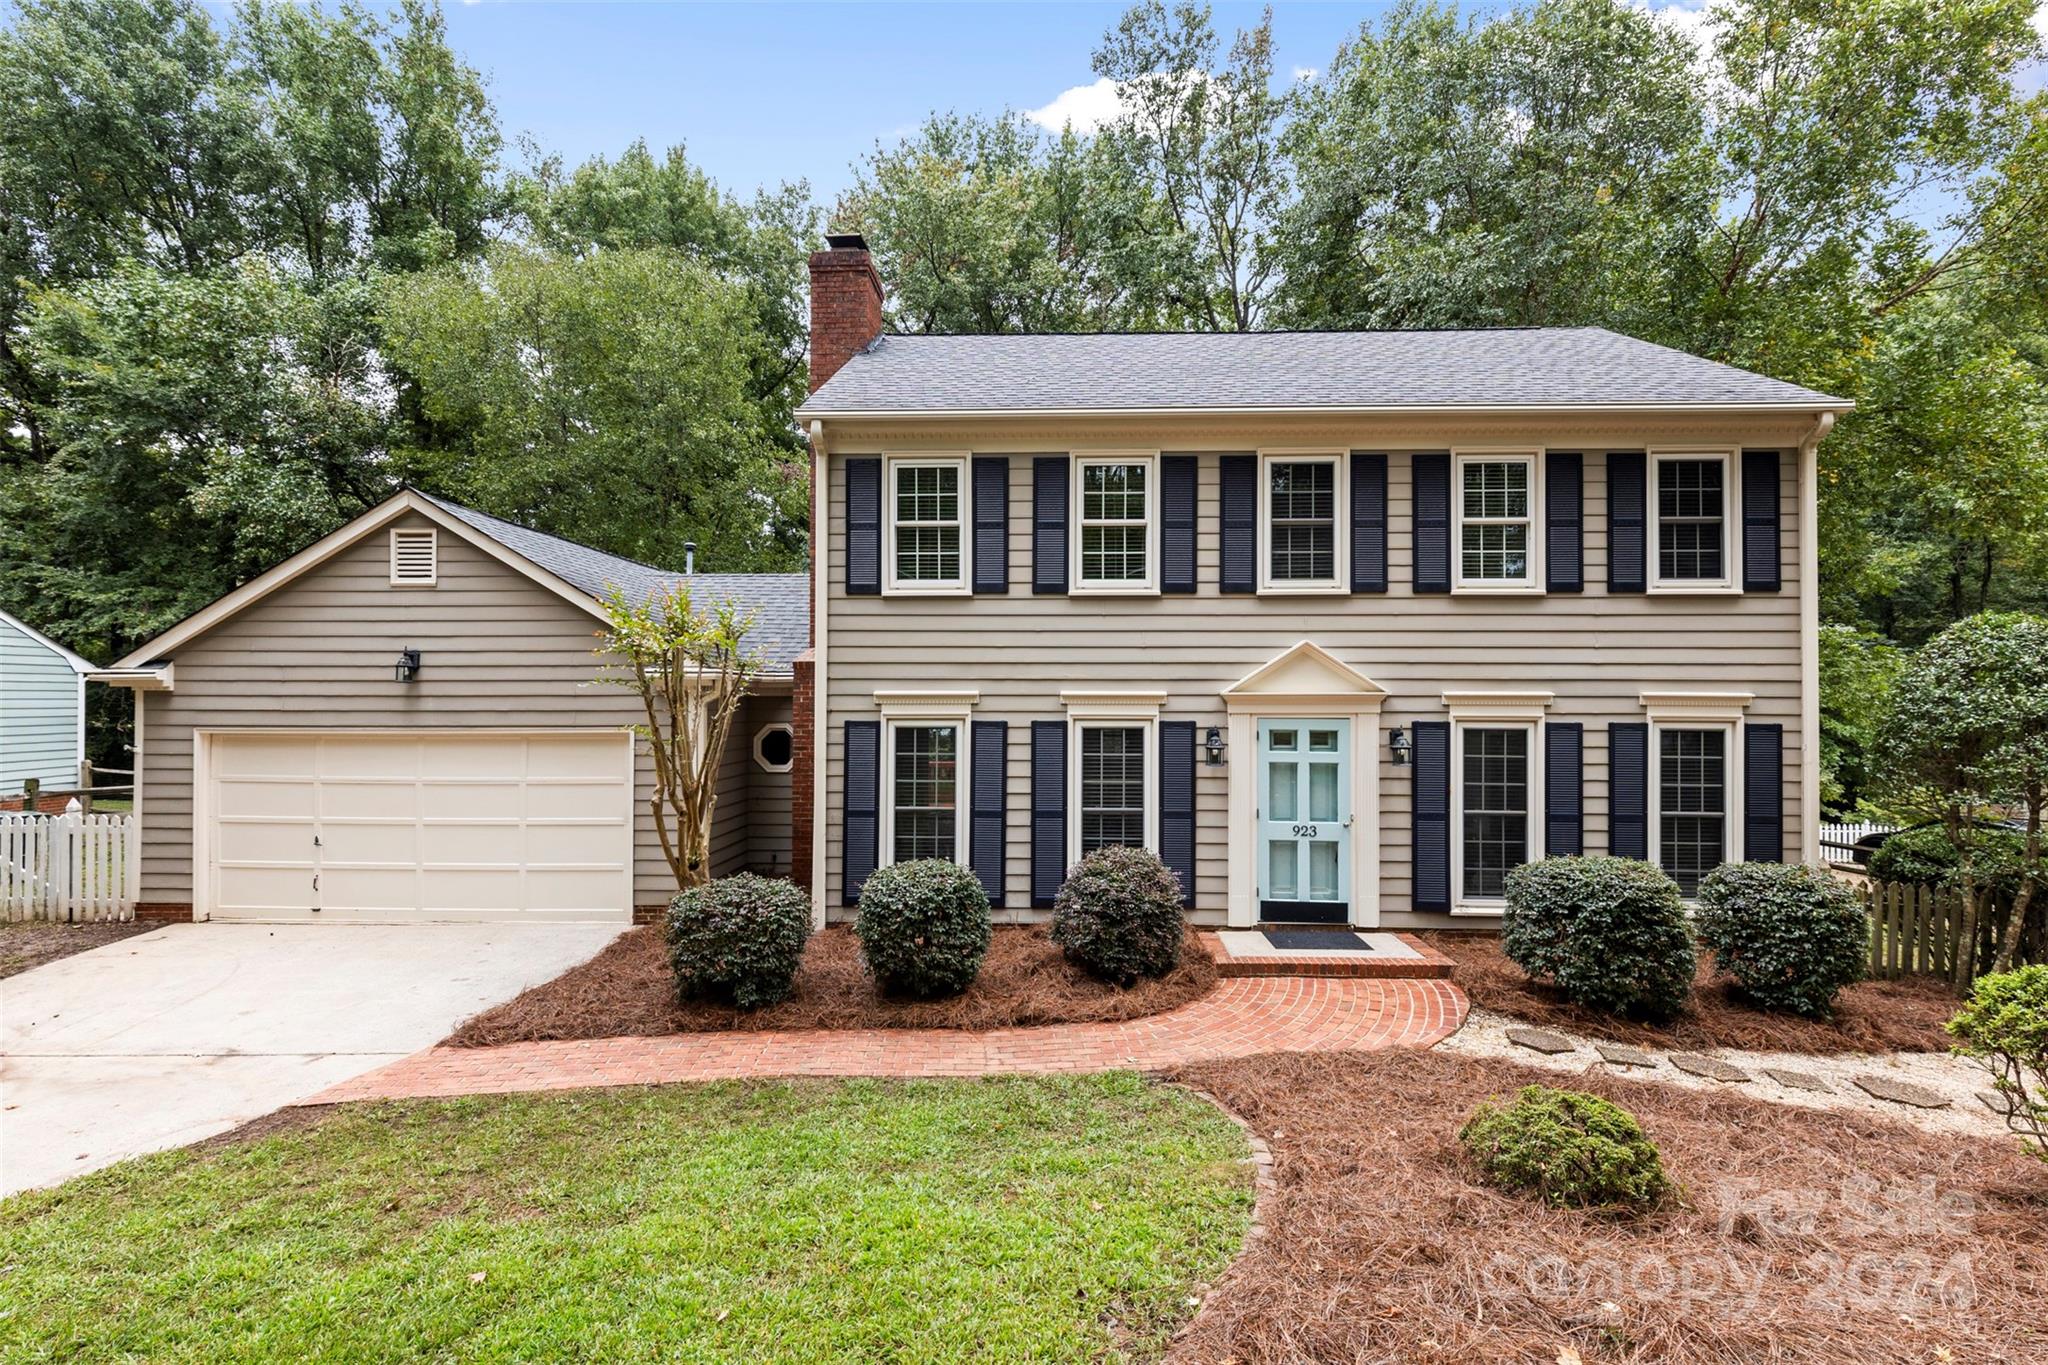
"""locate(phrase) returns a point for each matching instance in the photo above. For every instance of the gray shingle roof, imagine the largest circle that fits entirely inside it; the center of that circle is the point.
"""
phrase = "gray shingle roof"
(1500, 367)
(780, 602)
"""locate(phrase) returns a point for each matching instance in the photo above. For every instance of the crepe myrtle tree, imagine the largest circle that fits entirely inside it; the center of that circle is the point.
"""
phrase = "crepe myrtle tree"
(1967, 735)
(691, 669)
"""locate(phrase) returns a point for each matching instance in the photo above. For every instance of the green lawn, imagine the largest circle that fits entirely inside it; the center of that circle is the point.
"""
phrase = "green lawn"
(1017, 1219)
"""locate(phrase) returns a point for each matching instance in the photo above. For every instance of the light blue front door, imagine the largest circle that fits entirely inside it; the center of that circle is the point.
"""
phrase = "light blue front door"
(1304, 836)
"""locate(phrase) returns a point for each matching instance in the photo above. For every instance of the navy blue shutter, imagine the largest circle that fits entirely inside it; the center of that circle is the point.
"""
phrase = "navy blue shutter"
(1177, 522)
(1626, 502)
(1239, 487)
(1628, 789)
(991, 523)
(1564, 531)
(1763, 793)
(1760, 554)
(1049, 524)
(985, 834)
(1177, 803)
(1564, 821)
(861, 830)
(863, 527)
(1431, 826)
(1368, 522)
(1048, 809)
(1432, 524)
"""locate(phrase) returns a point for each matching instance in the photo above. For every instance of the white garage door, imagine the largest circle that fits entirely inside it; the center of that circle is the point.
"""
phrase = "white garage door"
(419, 826)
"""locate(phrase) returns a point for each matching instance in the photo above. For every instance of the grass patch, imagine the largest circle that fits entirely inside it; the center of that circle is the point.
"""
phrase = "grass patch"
(1011, 1219)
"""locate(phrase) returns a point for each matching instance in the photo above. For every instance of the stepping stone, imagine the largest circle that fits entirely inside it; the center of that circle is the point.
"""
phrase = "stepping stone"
(1797, 1080)
(1618, 1054)
(1997, 1103)
(1541, 1040)
(1713, 1068)
(1899, 1092)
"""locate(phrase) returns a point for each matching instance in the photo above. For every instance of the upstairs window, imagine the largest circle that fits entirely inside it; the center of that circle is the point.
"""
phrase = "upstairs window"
(1118, 505)
(1494, 503)
(1692, 521)
(415, 557)
(1301, 497)
(925, 527)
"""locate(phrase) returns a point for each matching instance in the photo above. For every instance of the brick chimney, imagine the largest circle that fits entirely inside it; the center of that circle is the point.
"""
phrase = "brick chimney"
(846, 303)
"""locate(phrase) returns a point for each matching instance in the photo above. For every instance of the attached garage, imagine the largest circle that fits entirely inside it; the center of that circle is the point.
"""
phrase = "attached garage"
(384, 826)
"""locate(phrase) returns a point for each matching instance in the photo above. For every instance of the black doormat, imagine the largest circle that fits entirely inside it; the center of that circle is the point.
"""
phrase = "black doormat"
(1308, 940)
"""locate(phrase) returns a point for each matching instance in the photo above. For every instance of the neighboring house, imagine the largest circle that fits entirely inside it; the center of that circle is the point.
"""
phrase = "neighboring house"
(42, 709)
(1343, 626)
(289, 768)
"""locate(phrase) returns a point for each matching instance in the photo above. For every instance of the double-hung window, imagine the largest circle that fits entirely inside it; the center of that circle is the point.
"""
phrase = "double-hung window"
(927, 530)
(1112, 772)
(1494, 505)
(1299, 497)
(1692, 496)
(1693, 802)
(924, 790)
(1494, 807)
(1118, 514)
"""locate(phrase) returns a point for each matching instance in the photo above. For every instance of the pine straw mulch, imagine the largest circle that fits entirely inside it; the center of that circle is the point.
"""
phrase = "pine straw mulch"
(31, 943)
(630, 990)
(1799, 1235)
(1903, 1015)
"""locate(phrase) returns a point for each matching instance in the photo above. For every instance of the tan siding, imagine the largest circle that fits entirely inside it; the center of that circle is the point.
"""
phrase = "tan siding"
(1596, 652)
(768, 841)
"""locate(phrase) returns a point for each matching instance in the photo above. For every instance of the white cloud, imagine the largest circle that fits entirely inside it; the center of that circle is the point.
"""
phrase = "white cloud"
(2041, 20)
(1309, 73)
(1086, 107)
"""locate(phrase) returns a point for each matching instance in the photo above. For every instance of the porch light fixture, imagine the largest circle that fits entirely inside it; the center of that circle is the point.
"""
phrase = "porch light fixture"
(408, 668)
(1213, 742)
(1401, 746)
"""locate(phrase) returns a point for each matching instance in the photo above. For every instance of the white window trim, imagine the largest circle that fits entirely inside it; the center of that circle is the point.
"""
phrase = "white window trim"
(1731, 501)
(1340, 536)
(1117, 587)
(1532, 582)
(433, 536)
(918, 587)
(921, 709)
(761, 736)
(1493, 711)
(1731, 788)
(1111, 711)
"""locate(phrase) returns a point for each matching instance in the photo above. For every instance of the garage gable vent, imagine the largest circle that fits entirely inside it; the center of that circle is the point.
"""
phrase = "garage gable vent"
(414, 561)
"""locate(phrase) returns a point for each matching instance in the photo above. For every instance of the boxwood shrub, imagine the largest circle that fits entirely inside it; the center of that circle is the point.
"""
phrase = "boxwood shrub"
(738, 939)
(1926, 857)
(1570, 1149)
(1791, 935)
(1609, 932)
(924, 927)
(1118, 914)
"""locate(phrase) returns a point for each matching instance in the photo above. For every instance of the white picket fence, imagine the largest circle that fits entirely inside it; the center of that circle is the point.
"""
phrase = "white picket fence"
(67, 867)
(1838, 838)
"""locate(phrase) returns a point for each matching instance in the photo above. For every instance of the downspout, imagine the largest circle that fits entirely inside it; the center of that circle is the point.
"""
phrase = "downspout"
(1809, 638)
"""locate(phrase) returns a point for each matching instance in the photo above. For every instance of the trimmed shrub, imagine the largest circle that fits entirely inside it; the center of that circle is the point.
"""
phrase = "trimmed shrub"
(2005, 1026)
(1118, 914)
(923, 927)
(1609, 932)
(738, 939)
(1925, 857)
(1572, 1150)
(1790, 934)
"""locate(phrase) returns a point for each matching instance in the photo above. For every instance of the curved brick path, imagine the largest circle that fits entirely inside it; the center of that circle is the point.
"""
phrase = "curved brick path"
(1240, 1018)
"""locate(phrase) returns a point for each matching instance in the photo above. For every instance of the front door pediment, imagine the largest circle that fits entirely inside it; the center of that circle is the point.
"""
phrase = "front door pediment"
(1305, 673)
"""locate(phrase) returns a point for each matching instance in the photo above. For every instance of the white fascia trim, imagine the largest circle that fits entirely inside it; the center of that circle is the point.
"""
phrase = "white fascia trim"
(333, 544)
(1809, 640)
(1796, 407)
(149, 678)
(78, 664)
(1672, 707)
(820, 604)
(1516, 706)
(1113, 705)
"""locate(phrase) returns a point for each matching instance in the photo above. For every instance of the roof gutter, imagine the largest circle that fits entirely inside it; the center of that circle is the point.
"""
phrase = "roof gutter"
(1799, 408)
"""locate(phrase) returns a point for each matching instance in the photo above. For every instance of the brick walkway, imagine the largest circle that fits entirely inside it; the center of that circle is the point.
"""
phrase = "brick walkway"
(1240, 1018)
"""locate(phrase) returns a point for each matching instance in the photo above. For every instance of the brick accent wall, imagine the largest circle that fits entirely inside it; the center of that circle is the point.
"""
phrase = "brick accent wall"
(48, 805)
(846, 304)
(649, 914)
(164, 912)
(802, 747)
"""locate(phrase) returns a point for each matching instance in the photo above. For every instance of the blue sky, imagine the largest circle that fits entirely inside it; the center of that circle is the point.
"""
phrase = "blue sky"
(767, 92)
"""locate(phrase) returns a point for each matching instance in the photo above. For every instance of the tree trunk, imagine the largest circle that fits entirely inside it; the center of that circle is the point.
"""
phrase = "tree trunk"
(2009, 944)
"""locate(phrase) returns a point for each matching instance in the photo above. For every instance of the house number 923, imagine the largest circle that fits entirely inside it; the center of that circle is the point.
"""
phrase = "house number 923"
(1304, 831)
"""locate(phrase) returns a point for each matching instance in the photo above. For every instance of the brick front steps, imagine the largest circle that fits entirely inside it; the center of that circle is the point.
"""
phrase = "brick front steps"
(1416, 962)
(1242, 1017)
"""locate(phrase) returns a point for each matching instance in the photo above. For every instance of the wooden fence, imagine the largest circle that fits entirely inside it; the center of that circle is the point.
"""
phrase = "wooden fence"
(1915, 930)
(67, 867)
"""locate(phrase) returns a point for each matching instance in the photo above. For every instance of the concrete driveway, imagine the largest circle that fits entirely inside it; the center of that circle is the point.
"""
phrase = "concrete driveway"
(161, 1040)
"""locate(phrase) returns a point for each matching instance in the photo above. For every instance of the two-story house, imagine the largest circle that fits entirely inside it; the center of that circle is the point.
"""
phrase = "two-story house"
(1343, 626)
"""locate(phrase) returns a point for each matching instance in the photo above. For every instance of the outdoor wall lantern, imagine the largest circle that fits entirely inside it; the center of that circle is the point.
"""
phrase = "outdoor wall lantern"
(408, 665)
(1213, 742)
(1401, 746)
